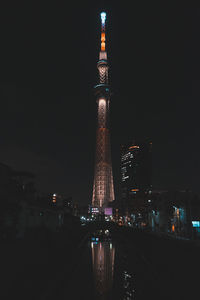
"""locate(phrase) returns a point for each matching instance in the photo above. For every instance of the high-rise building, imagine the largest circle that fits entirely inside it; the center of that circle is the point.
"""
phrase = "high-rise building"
(103, 190)
(136, 168)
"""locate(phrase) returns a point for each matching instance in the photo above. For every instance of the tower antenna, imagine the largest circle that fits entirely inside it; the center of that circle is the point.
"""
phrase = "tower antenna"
(103, 33)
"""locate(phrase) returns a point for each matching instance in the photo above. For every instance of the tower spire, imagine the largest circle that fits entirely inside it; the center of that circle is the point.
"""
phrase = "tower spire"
(103, 53)
(103, 31)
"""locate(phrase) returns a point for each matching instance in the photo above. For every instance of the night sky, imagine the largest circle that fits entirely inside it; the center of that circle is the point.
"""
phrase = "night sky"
(48, 69)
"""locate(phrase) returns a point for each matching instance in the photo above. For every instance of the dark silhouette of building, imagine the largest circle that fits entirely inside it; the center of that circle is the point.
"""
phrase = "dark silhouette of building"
(24, 210)
(175, 211)
(15, 187)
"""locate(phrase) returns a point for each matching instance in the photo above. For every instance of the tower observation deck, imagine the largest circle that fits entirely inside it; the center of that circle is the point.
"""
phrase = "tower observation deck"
(103, 190)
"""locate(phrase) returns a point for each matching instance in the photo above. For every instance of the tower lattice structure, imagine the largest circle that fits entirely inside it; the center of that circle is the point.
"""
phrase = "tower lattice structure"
(103, 189)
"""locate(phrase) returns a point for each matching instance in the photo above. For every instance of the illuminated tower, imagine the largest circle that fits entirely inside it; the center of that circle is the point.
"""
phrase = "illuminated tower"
(103, 191)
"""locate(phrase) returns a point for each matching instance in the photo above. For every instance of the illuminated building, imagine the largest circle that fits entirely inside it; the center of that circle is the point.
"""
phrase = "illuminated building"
(103, 190)
(136, 168)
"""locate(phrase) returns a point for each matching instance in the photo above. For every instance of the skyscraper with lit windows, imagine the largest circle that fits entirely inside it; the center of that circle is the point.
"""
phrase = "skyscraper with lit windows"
(136, 168)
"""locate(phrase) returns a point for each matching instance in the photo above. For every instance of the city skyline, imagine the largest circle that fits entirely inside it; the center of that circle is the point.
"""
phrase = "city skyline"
(48, 109)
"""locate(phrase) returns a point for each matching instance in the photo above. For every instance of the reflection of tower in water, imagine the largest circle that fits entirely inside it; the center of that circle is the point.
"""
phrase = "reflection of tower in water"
(103, 255)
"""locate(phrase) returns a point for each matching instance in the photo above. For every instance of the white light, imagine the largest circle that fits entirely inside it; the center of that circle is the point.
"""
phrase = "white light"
(103, 17)
(102, 102)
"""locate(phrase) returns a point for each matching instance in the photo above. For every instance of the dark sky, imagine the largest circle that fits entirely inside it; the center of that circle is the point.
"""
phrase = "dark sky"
(49, 52)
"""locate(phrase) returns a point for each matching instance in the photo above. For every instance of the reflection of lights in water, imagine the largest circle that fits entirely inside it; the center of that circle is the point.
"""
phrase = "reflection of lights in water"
(103, 255)
(128, 286)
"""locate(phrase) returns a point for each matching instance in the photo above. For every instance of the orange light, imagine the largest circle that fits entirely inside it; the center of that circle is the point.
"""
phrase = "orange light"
(135, 190)
(134, 147)
(54, 198)
(103, 39)
(173, 228)
(103, 46)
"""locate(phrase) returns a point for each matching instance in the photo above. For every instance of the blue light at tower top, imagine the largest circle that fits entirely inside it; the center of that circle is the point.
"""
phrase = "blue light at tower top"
(103, 17)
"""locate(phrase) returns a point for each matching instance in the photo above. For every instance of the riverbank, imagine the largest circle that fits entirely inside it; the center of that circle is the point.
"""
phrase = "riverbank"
(29, 265)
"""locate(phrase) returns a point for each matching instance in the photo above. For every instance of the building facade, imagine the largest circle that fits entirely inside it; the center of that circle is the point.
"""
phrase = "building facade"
(136, 168)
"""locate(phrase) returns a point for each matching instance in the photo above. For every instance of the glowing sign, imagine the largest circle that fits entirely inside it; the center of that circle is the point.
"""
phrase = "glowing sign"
(196, 223)
(94, 210)
(108, 211)
(103, 17)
